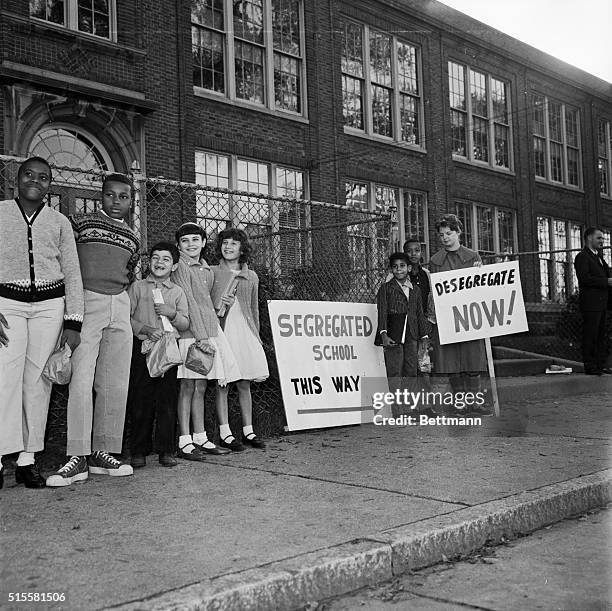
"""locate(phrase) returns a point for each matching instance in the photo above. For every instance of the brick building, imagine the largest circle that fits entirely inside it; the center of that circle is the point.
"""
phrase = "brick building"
(384, 105)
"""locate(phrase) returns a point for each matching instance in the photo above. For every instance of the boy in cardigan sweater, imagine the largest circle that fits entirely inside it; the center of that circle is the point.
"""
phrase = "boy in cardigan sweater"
(108, 252)
(40, 289)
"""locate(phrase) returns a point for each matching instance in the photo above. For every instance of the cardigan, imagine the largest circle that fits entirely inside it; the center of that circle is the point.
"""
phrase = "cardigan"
(196, 279)
(108, 252)
(39, 259)
(247, 291)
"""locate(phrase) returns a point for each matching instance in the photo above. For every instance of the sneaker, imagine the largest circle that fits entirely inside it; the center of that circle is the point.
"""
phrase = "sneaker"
(102, 463)
(75, 470)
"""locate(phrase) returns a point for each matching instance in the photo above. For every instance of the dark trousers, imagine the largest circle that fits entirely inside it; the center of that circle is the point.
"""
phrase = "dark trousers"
(594, 344)
(401, 364)
(151, 400)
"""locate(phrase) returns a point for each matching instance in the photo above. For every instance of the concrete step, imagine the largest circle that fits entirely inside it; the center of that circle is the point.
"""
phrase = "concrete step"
(521, 367)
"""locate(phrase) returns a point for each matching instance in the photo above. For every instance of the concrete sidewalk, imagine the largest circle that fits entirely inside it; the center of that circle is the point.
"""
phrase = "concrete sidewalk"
(314, 515)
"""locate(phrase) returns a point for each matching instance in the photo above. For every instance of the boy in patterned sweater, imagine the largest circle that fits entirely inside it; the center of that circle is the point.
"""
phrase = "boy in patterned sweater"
(108, 252)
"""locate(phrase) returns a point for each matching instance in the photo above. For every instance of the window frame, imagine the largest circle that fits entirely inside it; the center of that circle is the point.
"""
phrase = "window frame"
(269, 52)
(472, 230)
(550, 141)
(368, 83)
(605, 161)
(469, 117)
(71, 21)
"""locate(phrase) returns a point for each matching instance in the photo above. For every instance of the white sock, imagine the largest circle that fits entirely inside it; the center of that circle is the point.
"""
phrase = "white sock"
(1, 465)
(225, 431)
(248, 430)
(186, 444)
(25, 459)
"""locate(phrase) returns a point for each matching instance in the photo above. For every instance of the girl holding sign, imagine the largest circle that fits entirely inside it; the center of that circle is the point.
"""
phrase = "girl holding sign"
(235, 296)
(463, 362)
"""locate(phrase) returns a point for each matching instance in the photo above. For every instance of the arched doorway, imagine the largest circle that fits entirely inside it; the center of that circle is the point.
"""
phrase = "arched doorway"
(80, 160)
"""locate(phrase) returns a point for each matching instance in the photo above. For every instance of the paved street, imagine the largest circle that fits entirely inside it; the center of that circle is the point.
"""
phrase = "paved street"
(566, 567)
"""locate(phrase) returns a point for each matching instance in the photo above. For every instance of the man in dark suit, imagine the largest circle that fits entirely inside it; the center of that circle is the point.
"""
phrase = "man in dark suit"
(594, 282)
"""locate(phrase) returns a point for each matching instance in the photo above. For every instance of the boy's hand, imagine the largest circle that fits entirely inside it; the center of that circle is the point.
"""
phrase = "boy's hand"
(152, 333)
(163, 309)
(477, 263)
(70, 337)
(386, 341)
(3, 336)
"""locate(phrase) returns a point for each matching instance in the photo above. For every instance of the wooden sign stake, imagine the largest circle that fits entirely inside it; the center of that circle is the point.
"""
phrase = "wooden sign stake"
(492, 376)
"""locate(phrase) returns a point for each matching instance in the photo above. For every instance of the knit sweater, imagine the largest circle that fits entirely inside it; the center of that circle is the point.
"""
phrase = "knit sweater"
(246, 292)
(39, 259)
(196, 279)
(108, 252)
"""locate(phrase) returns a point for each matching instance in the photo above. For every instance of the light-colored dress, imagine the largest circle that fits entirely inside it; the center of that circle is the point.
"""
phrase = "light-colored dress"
(246, 347)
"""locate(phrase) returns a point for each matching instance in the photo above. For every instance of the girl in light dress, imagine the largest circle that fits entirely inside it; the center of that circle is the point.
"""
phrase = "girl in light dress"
(235, 297)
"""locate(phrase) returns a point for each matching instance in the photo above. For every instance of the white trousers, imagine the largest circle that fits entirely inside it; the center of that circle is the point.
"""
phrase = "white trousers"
(33, 333)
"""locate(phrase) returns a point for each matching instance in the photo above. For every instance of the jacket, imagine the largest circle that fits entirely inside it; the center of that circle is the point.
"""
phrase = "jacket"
(593, 273)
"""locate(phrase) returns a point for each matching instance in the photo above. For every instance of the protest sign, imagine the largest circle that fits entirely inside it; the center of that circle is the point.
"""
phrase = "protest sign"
(479, 302)
(324, 351)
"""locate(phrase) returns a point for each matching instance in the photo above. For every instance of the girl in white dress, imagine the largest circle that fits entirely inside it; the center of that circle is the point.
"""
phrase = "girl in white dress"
(235, 297)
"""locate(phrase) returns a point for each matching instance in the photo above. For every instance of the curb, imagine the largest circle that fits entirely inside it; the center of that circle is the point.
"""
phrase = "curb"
(291, 583)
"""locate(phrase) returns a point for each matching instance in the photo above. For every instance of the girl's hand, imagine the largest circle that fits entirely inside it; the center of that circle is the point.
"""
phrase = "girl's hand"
(228, 300)
(3, 336)
(152, 333)
(162, 309)
(477, 263)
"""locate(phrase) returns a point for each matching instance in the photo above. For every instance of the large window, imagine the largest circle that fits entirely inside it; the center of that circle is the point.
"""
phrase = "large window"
(277, 227)
(604, 160)
(480, 121)
(558, 243)
(556, 142)
(251, 51)
(95, 17)
(487, 229)
(381, 85)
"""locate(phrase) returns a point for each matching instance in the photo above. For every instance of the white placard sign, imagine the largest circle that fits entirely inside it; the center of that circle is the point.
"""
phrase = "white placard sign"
(325, 354)
(479, 302)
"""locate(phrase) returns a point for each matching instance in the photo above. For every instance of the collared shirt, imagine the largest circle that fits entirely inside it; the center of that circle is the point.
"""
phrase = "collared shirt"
(406, 286)
(111, 217)
(142, 310)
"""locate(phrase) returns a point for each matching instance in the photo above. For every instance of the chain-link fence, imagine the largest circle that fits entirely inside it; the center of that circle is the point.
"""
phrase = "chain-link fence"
(303, 250)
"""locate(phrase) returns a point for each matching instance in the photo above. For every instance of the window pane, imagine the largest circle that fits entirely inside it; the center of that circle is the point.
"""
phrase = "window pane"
(456, 84)
(249, 72)
(49, 10)
(286, 26)
(539, 153)
(501, 146)
(212, 208)
(602, 139)
(481, 139)
(352, 49)
(505, 224)
(573, 172)
(407, 68)
(409, 118)
(560, 259)
(93, 17)
(252, 177)
(380, 58)
(539, 125)
(554, 121)
(500, 105)
(248, 20)
(415, 214)
(607, 252)
(544, 248)
(603, 177)
(571, 126)
(385, 198)
(464, 212)
(484, 217)
(287, 83)
(208, 12)
(381, 111)
(352, 102)
(556, 162)
(458, 133)
(208, 59)
(478, 92)
(212, 170)
(357, 195)
(289, 183)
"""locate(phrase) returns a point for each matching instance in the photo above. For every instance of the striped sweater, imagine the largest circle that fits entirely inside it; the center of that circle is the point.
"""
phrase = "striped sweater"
(39, 259)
